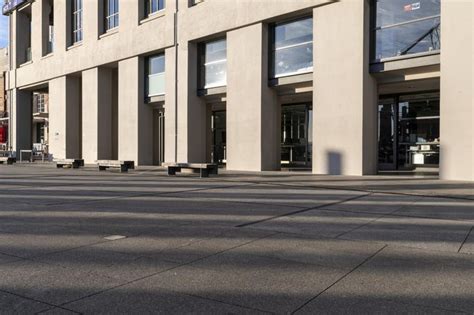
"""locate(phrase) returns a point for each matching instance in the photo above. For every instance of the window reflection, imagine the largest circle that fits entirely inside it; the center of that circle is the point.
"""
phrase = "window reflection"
(293, 48)
(407, 27)
(214, 64)
(156, 75)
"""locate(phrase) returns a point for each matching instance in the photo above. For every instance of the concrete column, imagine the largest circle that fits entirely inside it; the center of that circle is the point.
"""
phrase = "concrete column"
(134, 116)
(22, 120)
(62, 24)
(345, 94)
(170, 105)
(252, 107)
(65, 111)
(457, 96)
(36, 28)
(191, 109)
(97, 113)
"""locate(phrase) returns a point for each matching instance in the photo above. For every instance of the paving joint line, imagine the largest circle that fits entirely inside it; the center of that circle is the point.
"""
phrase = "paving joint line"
(465, 240)
(37, 301)
(301, 211)
(169, 269)
(339, 280)
(374, 220)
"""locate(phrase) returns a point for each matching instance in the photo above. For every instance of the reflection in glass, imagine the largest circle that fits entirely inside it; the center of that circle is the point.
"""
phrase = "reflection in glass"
(296, 135)
(406, 28)
(293, 48)
(156, 75)
(214, 64)
(218, 152)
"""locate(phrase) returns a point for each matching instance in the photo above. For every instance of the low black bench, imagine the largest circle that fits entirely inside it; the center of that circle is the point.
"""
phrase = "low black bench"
(69, 163)
(204, 168)
(7, 159)
(124, 166)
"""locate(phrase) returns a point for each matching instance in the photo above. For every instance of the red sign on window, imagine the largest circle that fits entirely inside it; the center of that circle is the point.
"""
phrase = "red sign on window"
(412, 7)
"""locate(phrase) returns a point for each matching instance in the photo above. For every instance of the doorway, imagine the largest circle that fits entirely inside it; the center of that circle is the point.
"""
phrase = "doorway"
(297, 135)
(219, 137)
(409, 131)
(158, 137)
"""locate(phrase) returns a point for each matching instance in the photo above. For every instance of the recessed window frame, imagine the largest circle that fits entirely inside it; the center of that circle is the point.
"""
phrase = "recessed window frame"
(111, 15)
(272, 48)
(373, 36)
(149, 75)
(203, 64)
(160, 6)
(77, 19)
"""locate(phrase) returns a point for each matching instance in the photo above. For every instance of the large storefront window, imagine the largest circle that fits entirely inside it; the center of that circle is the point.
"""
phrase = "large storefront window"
(409, 131)
(214, 64)
(405, 27)
(292, 49)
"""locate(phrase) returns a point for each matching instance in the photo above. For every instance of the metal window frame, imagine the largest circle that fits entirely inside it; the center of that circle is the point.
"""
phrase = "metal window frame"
(149, 5)
(76, 21)
(272, 47)
(373, 36)
(110, 14)
(148, 74)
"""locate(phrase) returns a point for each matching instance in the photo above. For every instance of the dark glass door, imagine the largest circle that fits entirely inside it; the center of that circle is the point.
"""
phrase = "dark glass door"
(296, 135)
(387, 135)
(218, 153)
(409, 132)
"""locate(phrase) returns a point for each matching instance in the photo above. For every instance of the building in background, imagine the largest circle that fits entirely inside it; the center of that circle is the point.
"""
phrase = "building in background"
(340, 87)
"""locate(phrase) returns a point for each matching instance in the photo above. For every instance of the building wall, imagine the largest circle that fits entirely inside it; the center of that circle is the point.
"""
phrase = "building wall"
(344, 92)
(3, 70)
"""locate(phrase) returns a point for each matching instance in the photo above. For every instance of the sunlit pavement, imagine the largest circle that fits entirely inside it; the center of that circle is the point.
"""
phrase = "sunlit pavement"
(80, 241)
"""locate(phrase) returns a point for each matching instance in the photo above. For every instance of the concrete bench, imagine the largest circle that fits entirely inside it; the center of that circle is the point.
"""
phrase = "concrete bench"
(69, 163)
(124, 166)
(204, 168)
(7, 159)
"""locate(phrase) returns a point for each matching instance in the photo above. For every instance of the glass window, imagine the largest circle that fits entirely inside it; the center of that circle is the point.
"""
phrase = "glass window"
(293, 48)
(156, 75)
(111, 14)
(76, 21)
(153, 6)
(405, 27)
(214, 66)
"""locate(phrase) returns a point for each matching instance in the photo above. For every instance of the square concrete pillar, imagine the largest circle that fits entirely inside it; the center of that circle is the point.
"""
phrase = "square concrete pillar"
(65, 111)
(191, 113)
(135, 118)
(170, 105)
(22, 120)
(457, 96)
(345, 94)
(97, 113)
(253, 135)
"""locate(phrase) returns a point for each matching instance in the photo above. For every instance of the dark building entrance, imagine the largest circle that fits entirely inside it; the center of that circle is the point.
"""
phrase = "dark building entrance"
(408, 131)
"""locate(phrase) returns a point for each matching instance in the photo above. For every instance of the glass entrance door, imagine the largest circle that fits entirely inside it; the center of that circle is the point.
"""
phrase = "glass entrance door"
(409, 132)
(219, 135)
(387, 135)
(296, 135)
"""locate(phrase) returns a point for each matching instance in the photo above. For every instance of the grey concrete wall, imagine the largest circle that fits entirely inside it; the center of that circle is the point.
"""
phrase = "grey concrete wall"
(65, 103)
(22, 120)
(135, 118)
(251, 106)
(457, 97)
(97, 137)
(345, 96)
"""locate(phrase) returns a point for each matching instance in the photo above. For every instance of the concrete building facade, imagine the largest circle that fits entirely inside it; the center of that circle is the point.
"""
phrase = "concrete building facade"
(349, 87)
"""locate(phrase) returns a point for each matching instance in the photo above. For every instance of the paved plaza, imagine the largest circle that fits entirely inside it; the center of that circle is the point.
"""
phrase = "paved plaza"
(80, 241)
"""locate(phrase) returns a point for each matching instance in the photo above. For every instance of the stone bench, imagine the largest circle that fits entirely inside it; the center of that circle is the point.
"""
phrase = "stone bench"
(124, 166)
(69, 163)
(204, 168)
(7, 159)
